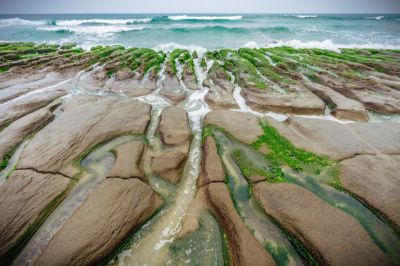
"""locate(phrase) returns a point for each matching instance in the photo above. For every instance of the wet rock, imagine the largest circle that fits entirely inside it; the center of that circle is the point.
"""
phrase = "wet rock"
(375, 180)
(244, 249)
(15, 133)
(131, 87)
(220, 95)
(174, 126)
(68, 45)
(189, 78)
(381, 137)
(211, 165)
(343, 107)
(332, 236)
(303, 102)
(196, 207)
(115, 209)
(19, 89)
(12, 111)
(373, 96)
(123, 74)
(85, 122)
(127, 164)
(171, 88)
(243, 126)
(169, 164)
(337, 140)
(23, 199)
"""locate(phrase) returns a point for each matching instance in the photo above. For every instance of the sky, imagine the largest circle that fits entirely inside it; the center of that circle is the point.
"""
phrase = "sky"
(198, 6)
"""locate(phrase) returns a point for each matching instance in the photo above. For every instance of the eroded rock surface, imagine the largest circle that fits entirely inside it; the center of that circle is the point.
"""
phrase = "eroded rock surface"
(55, 147)
(176, 135)
(115, 209)
(211, 165)
(233, 123)
(375, 180)
(24, 197)
(244, 249)
(332, 236)
(15, 133)
(340, 141)
(128, 162)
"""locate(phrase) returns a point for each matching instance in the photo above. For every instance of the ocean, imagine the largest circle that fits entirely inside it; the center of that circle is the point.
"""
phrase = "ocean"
(206, 31)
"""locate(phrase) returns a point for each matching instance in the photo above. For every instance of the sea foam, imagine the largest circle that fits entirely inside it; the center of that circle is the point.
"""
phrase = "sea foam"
(20, 22)
(185, 17)
(92, 30)
(76, 22)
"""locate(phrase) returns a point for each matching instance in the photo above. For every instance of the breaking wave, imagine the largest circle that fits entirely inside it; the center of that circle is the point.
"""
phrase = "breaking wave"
(21, 22)
(76, 22)
(91, 30)
(328, 45)
(302, 16)
(185, 17)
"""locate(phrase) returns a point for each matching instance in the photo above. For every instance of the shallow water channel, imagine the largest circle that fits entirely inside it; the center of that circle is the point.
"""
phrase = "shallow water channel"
(380, 232)
(95, 166)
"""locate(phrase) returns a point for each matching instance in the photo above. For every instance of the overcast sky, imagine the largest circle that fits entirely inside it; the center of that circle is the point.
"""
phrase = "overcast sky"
(199, 6)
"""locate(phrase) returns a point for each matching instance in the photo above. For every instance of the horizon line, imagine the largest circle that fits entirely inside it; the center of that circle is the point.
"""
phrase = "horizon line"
(194, 13)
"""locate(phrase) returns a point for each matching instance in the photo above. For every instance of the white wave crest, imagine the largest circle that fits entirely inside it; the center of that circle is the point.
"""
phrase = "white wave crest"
(302, 16)
(169, 47)
(76, 22)
(21, 22)
(329, 45)
(252, 45)
(185, 17)
(376, 18)
(92, 30)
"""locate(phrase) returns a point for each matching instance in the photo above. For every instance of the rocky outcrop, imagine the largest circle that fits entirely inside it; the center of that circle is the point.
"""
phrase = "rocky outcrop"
(233, 122)
(25, 199)
(169, 164)
(12, 111)
(303, 102)
(244, 249)
(15, 133)
(332, 236)
(376, 181)
(100, 119)
(14, 91)
(128, 163)
(373, 96)
(343, 107)
(211, 165)
(114, 210)
(171, 88)
(189, 78)
(176, 135)
(174, 127)
(340, 141)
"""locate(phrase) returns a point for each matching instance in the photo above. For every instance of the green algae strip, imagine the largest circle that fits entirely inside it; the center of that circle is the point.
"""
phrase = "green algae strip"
(266, 232)
(318, 174)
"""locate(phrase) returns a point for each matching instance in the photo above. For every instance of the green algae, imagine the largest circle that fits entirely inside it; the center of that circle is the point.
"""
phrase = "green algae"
(283, 152)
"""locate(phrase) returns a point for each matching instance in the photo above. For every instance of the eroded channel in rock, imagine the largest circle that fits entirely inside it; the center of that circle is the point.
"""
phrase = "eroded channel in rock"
(96, 166)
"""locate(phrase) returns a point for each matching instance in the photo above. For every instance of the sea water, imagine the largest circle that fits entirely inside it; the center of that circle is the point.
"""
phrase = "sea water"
(167, 31)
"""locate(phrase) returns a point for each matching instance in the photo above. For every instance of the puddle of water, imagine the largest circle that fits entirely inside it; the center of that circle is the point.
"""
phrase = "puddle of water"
(96, 166)
(12, 163)
(269, 235)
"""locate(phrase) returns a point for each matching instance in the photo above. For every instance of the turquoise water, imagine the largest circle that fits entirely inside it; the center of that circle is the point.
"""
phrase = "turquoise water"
(206, 31)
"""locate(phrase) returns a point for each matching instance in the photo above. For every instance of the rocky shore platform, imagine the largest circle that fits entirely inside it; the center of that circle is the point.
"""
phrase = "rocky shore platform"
(132, 156)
